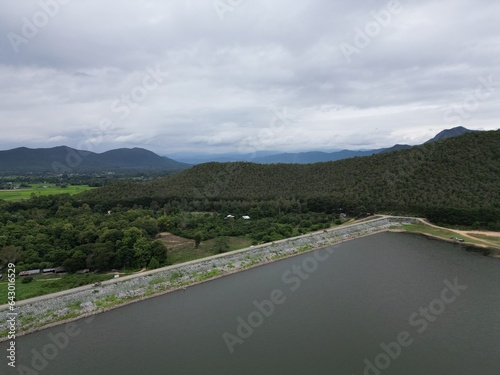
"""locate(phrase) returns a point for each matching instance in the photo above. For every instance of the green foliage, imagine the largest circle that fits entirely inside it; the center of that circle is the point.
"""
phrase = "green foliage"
(57, 231)
(37, 190)
(221, 245)
(153, 263)
(27, 280)
(176, 275)
(197, 239)
(10, 254)
(456, 180)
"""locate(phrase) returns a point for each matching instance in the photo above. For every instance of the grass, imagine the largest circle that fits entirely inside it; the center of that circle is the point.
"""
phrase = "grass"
(444, 233)
(182, 250)
(493, 239)
(46, 284)
(20, 194)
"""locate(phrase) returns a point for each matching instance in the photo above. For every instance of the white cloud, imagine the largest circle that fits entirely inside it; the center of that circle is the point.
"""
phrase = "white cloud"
(57, 139)
(225, 78)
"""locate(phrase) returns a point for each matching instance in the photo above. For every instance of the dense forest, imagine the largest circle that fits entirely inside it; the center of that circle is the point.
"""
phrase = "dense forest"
(454, 181)
(53, 231)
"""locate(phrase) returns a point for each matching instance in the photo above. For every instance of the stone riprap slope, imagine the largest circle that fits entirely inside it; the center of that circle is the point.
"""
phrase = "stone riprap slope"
(39, 312)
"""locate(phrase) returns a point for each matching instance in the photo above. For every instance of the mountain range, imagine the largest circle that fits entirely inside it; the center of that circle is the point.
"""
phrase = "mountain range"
(63, 159)
(457, 179)
(272, 157)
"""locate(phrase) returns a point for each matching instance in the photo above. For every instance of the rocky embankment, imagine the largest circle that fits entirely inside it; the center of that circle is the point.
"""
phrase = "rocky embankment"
(41, 312)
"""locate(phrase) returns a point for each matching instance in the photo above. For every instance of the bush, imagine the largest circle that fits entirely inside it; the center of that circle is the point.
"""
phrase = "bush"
(27, 280)
(153, 264)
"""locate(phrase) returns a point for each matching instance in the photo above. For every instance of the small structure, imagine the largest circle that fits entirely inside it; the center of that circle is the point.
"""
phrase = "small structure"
(86, 270)
(246, 217)
(30, 272)
(229, 217)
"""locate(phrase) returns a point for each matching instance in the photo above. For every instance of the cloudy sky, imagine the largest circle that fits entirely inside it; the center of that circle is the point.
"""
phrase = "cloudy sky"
(215, 76)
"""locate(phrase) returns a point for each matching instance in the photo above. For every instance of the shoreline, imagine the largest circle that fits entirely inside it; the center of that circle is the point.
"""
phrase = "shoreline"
(159, 282)
(494, 252)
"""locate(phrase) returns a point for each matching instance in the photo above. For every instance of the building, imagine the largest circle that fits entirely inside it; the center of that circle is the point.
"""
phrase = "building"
(30, 272)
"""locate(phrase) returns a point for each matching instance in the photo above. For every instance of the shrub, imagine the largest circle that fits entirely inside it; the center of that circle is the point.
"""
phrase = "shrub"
(27, 280)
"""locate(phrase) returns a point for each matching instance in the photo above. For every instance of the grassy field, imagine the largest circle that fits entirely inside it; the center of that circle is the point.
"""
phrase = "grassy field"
(183, 250)
(493, 239)
(19, 194)
(446, 234)
(46, 284)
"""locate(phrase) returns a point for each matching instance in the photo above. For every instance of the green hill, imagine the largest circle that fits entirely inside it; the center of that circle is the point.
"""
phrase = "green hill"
(65, 159)
(455, 180)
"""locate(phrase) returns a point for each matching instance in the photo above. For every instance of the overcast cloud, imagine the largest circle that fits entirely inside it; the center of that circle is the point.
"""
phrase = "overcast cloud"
(245, 75)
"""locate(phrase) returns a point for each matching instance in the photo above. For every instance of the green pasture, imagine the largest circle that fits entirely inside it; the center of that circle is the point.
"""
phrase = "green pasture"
(50, 189)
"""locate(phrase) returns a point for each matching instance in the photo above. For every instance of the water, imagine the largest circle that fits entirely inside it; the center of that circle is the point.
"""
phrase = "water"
(331, 316)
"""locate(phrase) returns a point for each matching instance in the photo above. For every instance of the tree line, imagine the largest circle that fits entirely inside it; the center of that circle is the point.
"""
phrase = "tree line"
(453, 182)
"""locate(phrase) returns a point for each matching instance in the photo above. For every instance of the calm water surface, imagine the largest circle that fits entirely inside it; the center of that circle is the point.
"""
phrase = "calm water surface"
(331, 314)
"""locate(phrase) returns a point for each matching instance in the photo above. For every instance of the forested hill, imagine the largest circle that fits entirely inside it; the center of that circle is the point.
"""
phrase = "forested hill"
(66, 159)
(457, 177)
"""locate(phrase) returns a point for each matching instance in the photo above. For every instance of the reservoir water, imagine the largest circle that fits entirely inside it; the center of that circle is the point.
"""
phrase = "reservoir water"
(385, 304)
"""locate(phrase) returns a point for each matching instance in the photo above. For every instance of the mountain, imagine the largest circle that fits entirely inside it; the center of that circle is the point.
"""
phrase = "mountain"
(193, 158)
(65, 159)
(318, 156)
(449, 133)
(458, 177)
(273, 157)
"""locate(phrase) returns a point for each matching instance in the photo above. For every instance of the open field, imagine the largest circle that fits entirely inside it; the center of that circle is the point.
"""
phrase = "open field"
(19, 194)
(447, 234)
(182, 249)
(487, 237)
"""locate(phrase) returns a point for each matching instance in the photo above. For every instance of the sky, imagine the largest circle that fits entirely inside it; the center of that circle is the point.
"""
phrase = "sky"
(220, 76)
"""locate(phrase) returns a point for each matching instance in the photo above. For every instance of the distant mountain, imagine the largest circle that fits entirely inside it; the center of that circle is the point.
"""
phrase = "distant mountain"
(449, 133)
(193, 158)
(275, 157)
(318, 156)
(456, 181)
(66, 159)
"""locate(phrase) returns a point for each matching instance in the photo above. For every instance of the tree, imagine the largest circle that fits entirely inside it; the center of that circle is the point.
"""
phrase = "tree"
(76, 262)
(153, 263)
(10, 254)
(142, 252)
(159, 251)
(221, 244)
(125, 256)
(197, 240)
(164, 223)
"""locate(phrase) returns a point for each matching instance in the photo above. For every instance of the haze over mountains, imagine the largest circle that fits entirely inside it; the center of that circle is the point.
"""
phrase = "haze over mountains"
(271, 157)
